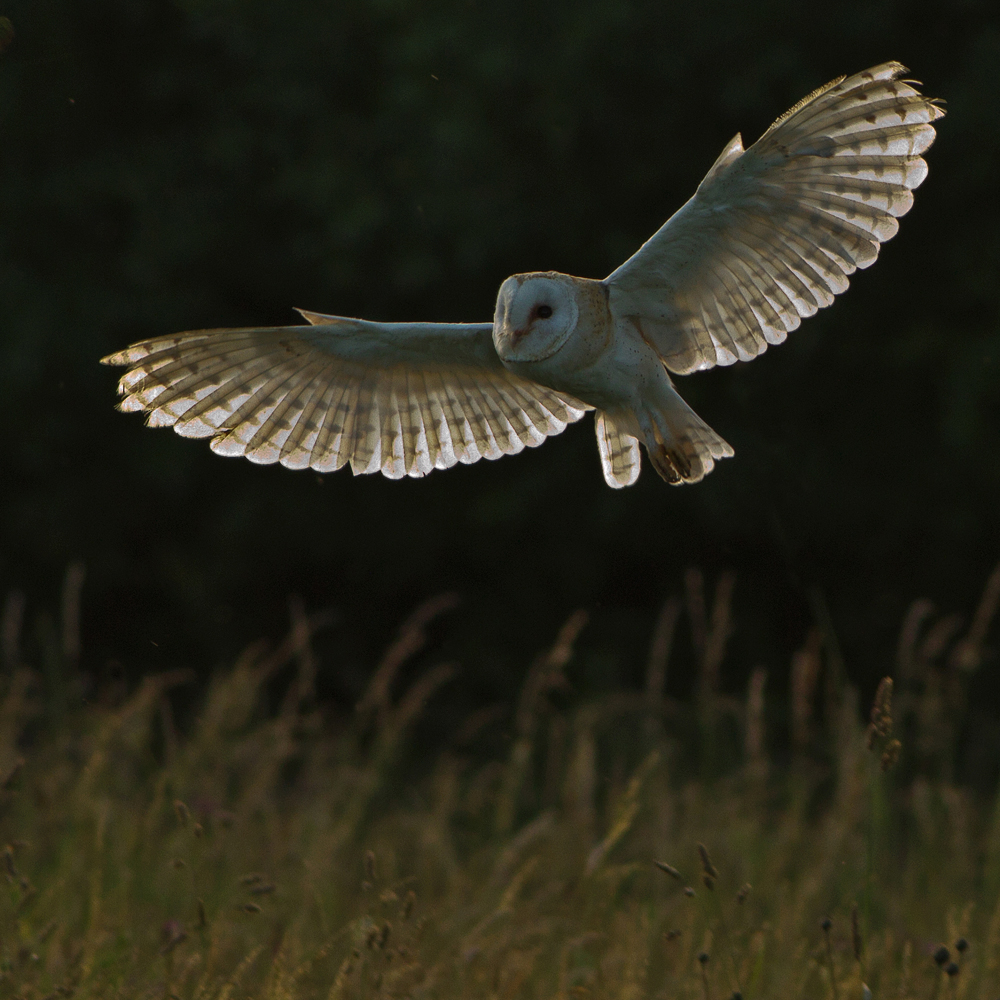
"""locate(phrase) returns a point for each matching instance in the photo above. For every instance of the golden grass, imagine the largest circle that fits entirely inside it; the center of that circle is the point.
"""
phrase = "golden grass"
(278, 855)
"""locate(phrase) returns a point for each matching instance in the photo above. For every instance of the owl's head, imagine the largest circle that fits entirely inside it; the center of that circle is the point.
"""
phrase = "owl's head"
(536, 313)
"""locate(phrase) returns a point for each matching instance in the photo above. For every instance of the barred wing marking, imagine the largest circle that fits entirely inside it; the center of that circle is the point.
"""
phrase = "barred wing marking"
(396, 398)
(619, 452)
(772, 233)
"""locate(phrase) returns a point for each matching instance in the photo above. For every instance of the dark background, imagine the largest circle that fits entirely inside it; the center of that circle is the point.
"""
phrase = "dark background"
(196, 163)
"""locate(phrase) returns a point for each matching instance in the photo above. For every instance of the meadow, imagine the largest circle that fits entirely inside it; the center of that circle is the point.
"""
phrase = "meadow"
(263, 845)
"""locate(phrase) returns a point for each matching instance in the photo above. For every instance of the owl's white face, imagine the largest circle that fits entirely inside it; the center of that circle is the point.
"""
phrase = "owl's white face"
(535, 315)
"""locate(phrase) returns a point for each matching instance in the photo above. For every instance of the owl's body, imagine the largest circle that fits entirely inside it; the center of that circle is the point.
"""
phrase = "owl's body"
(609, 365)
(769, 238)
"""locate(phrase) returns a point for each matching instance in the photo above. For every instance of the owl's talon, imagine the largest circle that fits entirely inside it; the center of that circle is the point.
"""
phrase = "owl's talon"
(671, 466)
(680, 464)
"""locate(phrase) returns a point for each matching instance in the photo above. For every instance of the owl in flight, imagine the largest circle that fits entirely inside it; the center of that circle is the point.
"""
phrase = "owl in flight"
(770, 236)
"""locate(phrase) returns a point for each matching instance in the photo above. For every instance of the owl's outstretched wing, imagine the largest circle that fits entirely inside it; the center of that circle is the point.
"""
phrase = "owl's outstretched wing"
(396, 398)
(772, 233)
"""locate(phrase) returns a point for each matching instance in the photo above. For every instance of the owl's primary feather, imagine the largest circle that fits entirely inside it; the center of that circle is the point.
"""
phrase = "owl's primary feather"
(397, 398)
(772, 233)
(769, 238)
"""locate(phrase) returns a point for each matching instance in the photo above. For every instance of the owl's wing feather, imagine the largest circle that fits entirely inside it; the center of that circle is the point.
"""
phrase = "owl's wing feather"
(773, 232)
(400, 398)
(619, 452)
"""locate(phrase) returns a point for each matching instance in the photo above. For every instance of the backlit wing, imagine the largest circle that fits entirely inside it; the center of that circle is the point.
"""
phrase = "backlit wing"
(396, 398)
(772, 233)
(619, 452)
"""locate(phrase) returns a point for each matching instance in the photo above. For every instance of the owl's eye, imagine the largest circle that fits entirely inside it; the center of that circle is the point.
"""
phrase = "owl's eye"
(543, 312)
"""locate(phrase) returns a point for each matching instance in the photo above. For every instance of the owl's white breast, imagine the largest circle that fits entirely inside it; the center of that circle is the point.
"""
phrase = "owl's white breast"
(602, 362)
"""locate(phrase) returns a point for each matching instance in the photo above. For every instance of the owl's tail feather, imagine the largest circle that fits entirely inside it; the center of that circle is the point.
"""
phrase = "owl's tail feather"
(619, 452)
(681, 446)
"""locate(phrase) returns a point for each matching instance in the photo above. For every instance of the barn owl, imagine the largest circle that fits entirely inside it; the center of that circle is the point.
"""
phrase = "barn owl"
(770, 237)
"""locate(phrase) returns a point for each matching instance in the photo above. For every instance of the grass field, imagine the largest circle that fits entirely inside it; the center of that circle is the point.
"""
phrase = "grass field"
(631, 847)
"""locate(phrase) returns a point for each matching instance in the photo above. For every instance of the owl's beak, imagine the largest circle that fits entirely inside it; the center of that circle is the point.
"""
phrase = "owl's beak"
(516, 335)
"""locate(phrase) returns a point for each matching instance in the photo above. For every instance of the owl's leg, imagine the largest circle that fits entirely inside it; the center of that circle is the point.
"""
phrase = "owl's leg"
(664, 450)
(681, 446)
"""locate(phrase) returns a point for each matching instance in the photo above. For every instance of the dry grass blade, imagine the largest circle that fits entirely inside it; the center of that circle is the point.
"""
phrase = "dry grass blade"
(669, 869)
(755, 742)
(906, 653)
(706, 862)
(968, 654)
(72, 587)
(717, 635)
(694, 595)
(659, 651)
(806, 666)
(302, 630)
(544, 675)
(300, 634)
(625, 813)
(412, 638)
(938, 636)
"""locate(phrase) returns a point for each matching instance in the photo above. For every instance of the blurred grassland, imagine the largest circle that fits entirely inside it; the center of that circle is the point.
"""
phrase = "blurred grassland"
(181, 164)
(272, 849)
